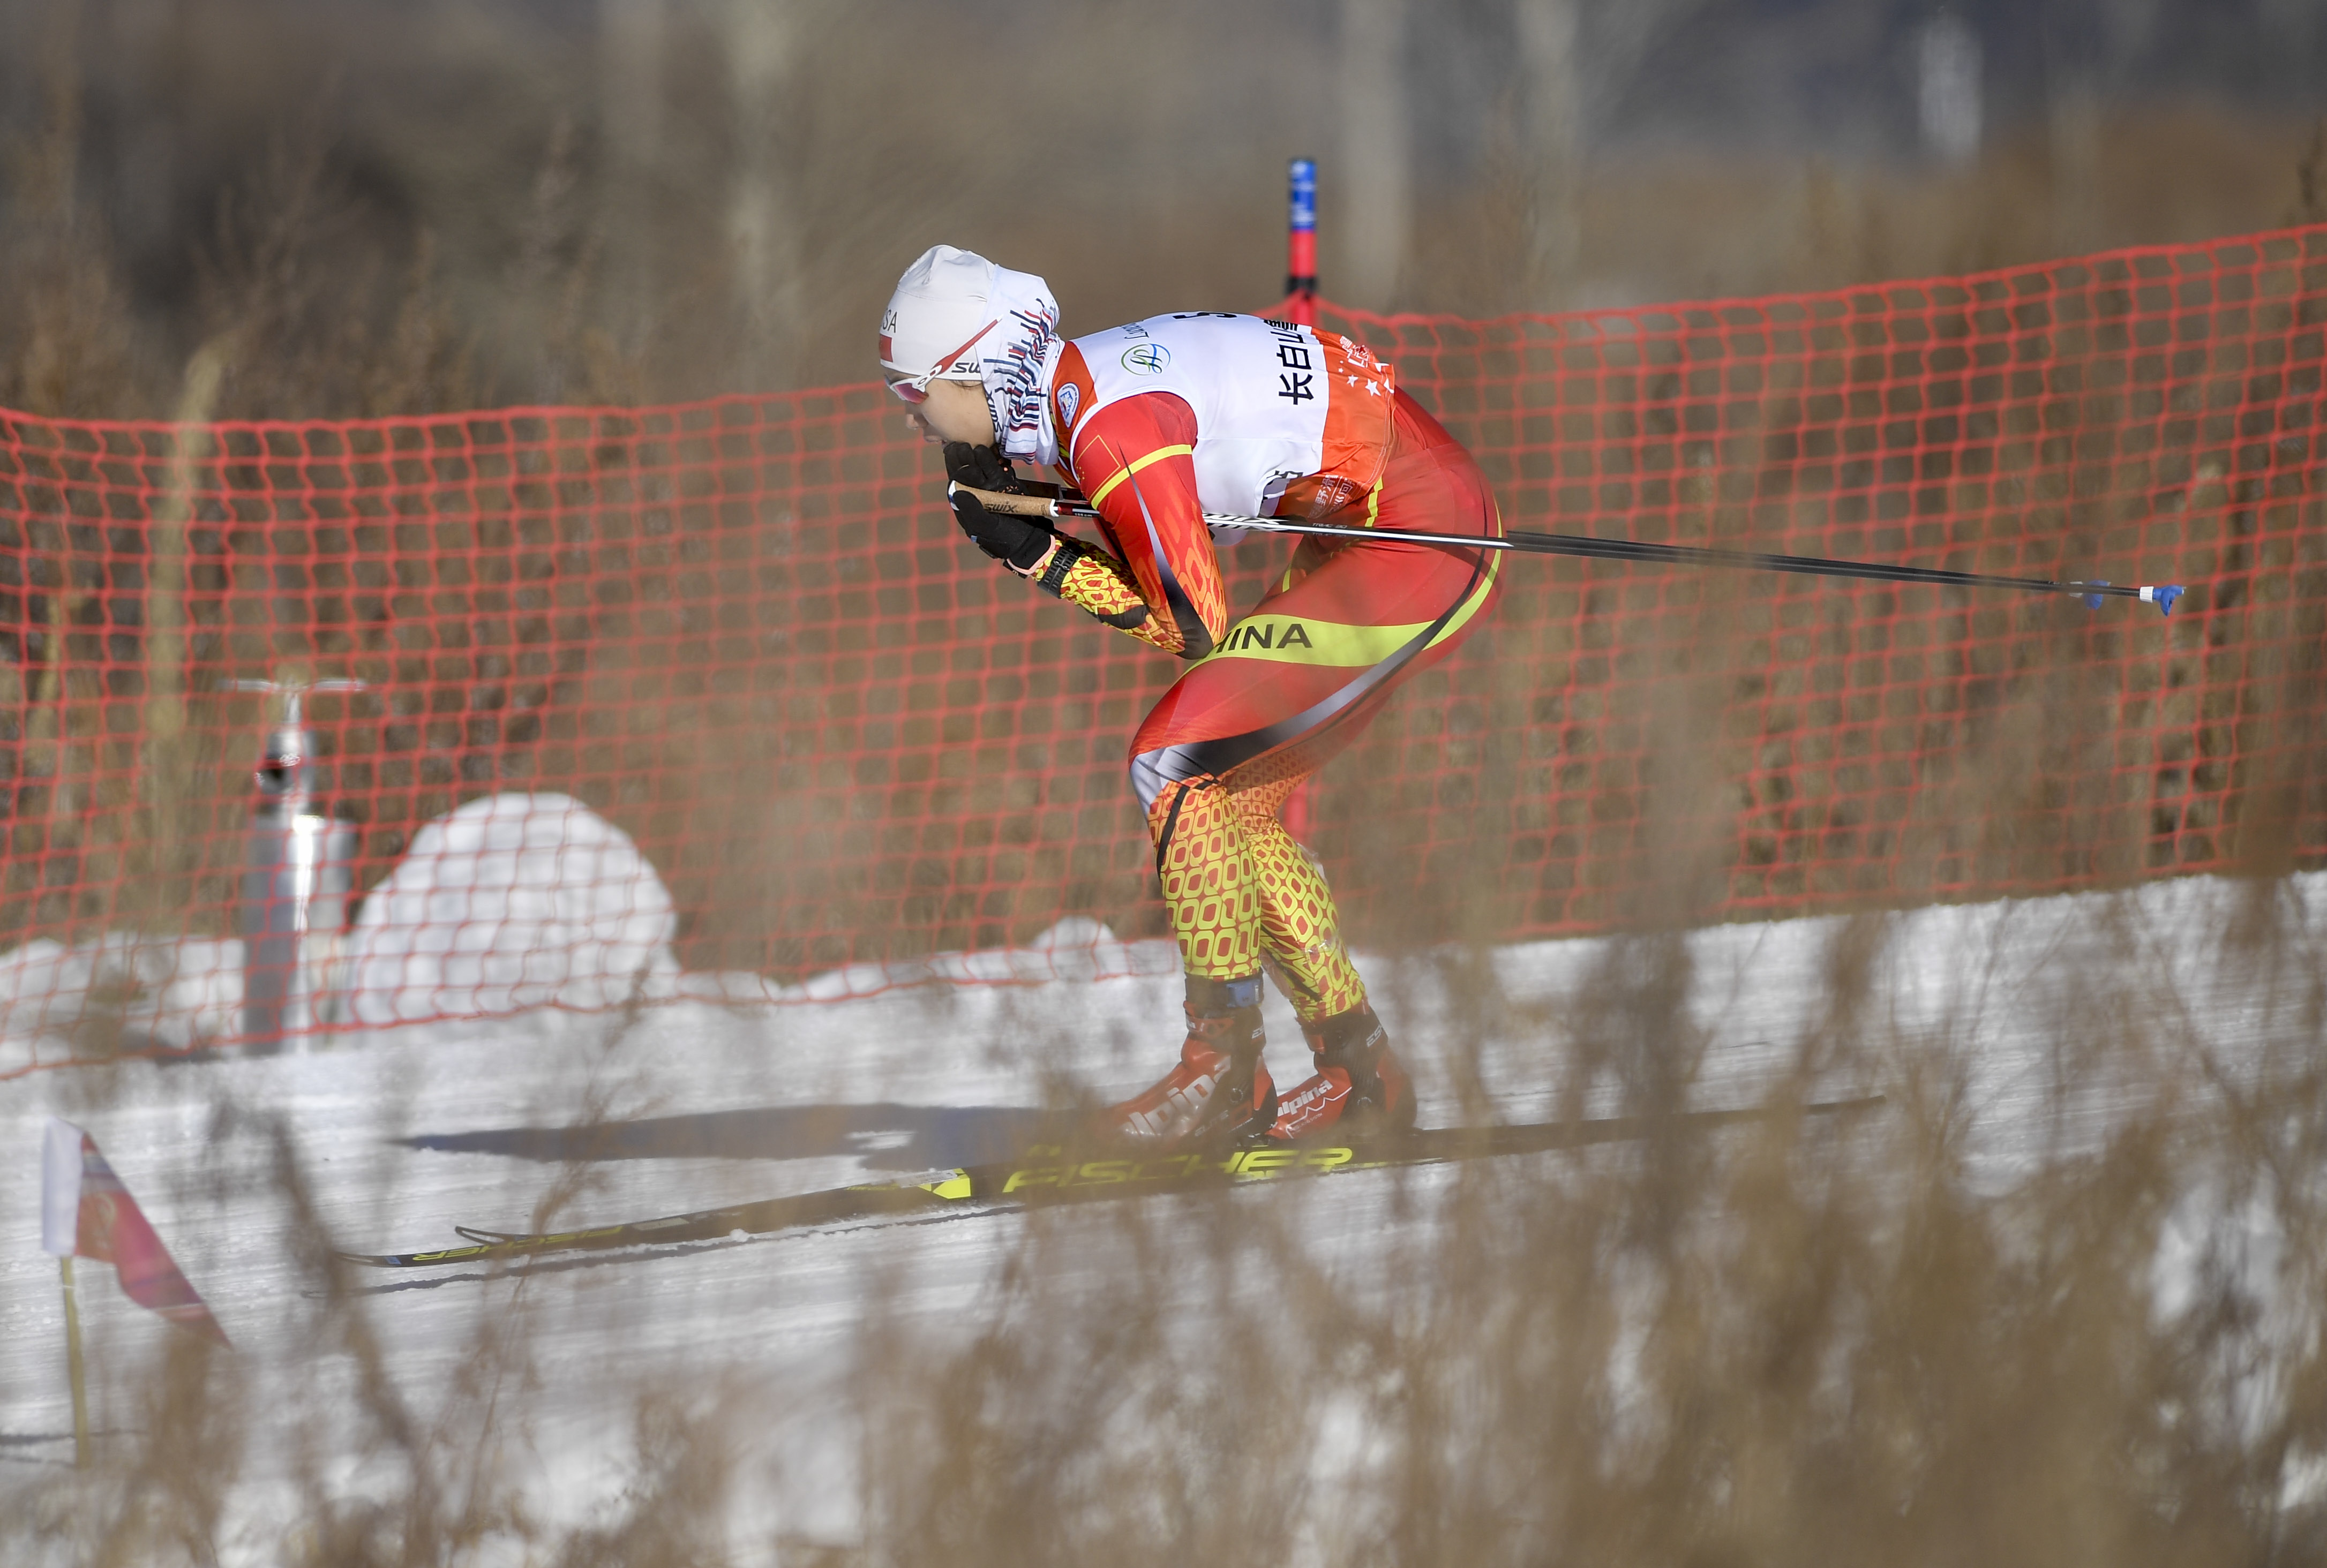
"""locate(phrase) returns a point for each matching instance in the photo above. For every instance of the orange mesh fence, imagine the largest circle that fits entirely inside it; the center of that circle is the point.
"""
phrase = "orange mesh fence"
(834, 745)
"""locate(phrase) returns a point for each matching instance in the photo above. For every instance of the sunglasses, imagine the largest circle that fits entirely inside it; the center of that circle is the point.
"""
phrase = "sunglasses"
(916, 389)
(913, 388)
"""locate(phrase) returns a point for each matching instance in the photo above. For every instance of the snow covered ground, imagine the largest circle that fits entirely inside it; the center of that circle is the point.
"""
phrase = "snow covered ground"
(388, 1137)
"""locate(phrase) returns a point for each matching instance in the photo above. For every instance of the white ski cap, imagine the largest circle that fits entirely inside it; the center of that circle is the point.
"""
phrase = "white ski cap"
(943, 307)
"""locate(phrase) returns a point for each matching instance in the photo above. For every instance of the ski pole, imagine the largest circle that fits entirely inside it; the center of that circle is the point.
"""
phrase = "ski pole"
(1059, 503)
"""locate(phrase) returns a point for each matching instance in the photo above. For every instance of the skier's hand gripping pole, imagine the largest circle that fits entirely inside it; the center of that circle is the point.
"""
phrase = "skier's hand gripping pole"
(979, 475)
(1049, 501)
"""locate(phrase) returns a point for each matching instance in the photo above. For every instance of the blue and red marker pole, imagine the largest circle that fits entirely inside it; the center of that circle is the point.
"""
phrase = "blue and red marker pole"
(1299, 815)
(1301, 244)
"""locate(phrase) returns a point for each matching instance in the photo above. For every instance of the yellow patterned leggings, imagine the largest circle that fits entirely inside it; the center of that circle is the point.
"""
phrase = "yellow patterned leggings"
(1241, 892)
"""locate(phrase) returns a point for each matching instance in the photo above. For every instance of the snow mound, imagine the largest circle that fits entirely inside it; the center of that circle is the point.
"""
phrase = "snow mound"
(123, 989)
(511, 901)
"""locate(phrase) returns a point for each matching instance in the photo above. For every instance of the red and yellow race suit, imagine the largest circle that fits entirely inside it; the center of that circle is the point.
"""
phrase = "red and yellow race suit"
(1163, 420)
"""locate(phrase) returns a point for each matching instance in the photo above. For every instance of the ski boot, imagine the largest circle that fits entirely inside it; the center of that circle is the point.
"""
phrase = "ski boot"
(1360, 1091)
(1220, 1092)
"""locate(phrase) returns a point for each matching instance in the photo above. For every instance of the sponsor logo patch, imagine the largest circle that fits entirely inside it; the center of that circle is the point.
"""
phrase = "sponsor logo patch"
(1071, 397)
(1266, 634)
(1148, 358)
(1322, 1091)
(1242, 1163)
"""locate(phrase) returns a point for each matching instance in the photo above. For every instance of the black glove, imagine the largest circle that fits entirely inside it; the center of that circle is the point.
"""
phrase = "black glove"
(1019, 543)
(980, 467)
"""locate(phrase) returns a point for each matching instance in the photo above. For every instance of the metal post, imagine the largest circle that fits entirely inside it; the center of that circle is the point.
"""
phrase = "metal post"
(296, 881)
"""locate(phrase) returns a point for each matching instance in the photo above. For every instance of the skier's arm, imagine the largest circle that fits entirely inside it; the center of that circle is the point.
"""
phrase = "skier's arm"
(1135, 460)
(1084, 576)
(1093, 580)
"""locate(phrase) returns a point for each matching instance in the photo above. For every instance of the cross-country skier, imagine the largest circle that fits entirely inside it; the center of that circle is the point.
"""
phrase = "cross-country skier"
(1157, 423)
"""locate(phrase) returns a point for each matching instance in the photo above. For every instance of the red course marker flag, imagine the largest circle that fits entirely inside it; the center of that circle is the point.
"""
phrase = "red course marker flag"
(86, 1212)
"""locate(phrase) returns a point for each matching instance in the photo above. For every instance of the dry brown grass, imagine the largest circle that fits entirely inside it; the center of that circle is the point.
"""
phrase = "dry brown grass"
(389, 217)
(1801, 1342)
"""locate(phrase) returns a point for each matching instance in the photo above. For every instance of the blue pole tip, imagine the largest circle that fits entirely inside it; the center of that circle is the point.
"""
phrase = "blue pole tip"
(2165, 594)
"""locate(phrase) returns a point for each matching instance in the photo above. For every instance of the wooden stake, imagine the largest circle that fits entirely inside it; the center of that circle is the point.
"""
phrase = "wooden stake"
(72, 1357)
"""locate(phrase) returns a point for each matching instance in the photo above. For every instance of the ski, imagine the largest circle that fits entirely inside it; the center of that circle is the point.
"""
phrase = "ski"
(1049, 1174)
